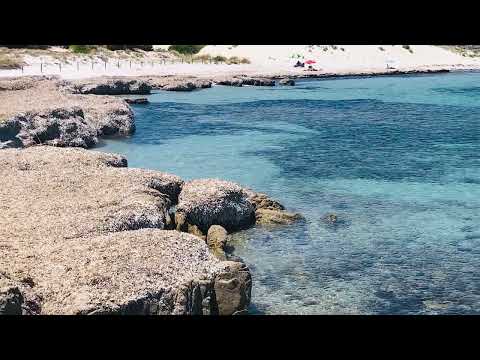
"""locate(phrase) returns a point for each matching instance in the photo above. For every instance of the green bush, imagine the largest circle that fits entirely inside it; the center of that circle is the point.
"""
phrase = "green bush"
(186, 49)
(81, 49)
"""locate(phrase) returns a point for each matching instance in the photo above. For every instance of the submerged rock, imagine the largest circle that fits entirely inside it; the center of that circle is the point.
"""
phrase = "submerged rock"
(269, 211)
(276, 217)
(208, 202)
(334, 220)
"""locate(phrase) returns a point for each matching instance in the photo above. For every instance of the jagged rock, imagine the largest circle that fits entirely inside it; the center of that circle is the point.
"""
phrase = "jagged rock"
(287, 82)
(57, 127)
(208, 202)
(108, 86)
(275, 217)
(43, 112)
(233, 289)
(263, 201)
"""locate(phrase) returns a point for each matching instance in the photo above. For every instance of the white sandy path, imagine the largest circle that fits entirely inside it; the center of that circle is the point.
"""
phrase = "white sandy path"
(266, 60)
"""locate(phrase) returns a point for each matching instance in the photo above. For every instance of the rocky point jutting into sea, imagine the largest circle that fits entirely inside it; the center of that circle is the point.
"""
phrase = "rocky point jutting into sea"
(81, 233)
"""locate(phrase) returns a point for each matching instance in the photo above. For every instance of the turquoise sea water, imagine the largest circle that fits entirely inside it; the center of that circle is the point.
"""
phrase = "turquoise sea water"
(396, 158)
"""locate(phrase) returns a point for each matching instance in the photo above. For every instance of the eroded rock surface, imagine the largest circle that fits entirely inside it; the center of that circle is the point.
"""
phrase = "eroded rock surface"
(40, 111)
(177, 83)
(82, 234)
(269, 211)
(108, 86)
(207, 202)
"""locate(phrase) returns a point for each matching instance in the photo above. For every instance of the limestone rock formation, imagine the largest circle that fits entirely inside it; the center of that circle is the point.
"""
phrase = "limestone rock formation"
(108, 86)
(74, 239)
(263, 201)
(207, 202)
(269, 211)
(177, 83)
(187, 85)
(41, 111)
(57, 127)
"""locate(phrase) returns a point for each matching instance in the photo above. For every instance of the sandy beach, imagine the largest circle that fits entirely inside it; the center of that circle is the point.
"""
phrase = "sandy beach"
(265, 60)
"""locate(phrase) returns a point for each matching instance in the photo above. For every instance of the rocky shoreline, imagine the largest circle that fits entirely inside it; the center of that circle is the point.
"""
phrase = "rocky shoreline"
(81, 233)
(136, 243)
(48, 110)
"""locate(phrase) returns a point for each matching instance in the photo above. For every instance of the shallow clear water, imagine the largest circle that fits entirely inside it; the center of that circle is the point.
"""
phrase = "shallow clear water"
(396, 158)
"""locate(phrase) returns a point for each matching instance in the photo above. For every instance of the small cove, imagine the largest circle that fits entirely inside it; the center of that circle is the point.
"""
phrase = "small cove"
(395, 157)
